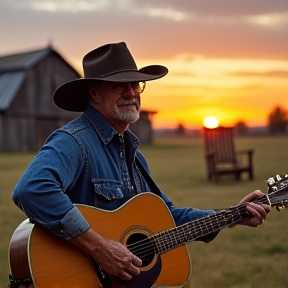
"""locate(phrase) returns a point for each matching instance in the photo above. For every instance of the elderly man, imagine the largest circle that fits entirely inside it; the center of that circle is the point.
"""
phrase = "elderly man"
(91, 161)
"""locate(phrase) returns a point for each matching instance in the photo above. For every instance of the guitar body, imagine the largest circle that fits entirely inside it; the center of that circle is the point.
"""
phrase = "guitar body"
(55, 263)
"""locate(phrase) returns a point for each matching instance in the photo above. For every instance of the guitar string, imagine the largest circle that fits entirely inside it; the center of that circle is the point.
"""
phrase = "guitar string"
(275, 200)
(142, 248)
(148, 250)
(184, 231)
(195, 221)
(147, 246)
(187, 227)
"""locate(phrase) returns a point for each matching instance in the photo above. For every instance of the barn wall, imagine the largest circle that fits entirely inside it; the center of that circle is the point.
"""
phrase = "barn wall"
(33, 115)
(16, 134)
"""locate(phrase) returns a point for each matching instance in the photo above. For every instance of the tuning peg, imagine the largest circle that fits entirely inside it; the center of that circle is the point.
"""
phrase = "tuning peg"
(278, 177)
(271, 181)
(277, 182)
(280, 207)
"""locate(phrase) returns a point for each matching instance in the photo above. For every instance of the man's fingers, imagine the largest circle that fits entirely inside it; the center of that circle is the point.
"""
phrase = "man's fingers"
(134, 270)
(253, 212)
(252, 196)
(259, 211)
(123, 275)
(136, 261)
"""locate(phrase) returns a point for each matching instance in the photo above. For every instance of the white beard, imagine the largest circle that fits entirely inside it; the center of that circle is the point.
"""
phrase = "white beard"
(130, 116)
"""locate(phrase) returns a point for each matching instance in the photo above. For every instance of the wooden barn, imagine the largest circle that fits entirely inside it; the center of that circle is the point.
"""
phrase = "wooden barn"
(27, 112)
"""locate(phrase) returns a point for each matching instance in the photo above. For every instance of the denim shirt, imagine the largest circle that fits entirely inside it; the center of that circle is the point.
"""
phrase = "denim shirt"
(86, 162)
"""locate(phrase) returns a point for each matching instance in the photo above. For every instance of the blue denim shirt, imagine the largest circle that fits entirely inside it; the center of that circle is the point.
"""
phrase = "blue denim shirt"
(87, 162)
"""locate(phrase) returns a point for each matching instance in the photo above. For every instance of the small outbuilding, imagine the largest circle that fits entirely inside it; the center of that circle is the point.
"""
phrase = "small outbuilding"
(143, 127)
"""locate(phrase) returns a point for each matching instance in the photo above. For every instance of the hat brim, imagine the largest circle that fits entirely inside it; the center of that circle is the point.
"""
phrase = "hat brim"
(74, 95)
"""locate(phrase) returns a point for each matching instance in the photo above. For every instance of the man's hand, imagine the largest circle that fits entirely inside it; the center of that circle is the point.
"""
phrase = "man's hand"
(112, 256)
(115, 259)
(258, 211)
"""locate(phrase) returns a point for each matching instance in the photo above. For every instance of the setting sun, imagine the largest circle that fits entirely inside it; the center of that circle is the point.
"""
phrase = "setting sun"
(211, 122)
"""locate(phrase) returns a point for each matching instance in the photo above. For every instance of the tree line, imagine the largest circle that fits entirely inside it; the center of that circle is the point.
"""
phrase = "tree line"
(277, 123)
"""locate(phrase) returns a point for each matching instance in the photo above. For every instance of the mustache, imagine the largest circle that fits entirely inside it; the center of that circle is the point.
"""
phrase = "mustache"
(134, 101)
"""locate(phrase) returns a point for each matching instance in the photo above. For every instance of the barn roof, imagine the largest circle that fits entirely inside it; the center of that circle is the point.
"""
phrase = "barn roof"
(22, 61)
(13, 69)
(9, 85)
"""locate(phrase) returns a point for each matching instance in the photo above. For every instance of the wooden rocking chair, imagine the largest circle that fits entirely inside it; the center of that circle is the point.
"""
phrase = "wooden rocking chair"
(221, 157)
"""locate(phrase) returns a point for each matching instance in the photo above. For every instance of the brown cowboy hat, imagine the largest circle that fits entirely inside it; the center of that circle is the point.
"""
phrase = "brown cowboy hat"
(111, 62)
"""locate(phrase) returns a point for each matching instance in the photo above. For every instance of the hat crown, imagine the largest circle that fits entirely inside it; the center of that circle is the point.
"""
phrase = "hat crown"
(107, 60)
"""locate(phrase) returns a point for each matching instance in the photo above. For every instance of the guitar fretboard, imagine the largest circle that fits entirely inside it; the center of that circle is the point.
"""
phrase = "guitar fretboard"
(174, 237)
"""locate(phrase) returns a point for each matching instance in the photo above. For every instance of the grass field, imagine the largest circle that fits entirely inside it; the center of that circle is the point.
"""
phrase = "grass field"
(238, 257)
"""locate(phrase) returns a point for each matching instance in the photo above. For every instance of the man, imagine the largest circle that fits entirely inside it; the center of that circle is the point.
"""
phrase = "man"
(91, 160)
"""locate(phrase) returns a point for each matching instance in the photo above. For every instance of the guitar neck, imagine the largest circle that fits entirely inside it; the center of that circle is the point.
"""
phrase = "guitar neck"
(174, 237)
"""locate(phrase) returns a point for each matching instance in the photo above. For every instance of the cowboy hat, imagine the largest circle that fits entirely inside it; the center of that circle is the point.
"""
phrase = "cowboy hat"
(110, 62)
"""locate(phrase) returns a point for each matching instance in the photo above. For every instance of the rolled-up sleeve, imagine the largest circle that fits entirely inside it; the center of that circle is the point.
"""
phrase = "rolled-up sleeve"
(71, 225)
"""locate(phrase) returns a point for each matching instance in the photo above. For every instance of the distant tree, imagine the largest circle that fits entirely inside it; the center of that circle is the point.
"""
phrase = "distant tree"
(241, 128)
(180, 129)
(277, 121)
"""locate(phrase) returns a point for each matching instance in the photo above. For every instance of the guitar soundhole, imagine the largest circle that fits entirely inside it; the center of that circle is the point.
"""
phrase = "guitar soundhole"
(141, 246)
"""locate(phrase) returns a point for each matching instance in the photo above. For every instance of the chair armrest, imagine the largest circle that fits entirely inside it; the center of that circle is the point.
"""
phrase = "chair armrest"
(248, 152)
(245, 151)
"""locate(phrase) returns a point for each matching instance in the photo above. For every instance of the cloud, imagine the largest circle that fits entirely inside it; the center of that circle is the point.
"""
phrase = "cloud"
(272, 73)
(79, 6)
(73, 6)
(225, 8)
(126, 6)
(212, 67)
(167, 13)
(181, 8)
(272, 20)
(162, 28)
(257, 12)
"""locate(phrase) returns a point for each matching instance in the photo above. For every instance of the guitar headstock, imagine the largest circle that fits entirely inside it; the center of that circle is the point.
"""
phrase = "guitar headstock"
(278, 191)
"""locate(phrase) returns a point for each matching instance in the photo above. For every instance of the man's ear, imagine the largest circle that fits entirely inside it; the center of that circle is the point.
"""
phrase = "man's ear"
(94, 95)
(92, 91)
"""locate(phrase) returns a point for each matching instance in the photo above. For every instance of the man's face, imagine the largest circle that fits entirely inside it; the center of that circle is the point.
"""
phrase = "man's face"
(118, 103)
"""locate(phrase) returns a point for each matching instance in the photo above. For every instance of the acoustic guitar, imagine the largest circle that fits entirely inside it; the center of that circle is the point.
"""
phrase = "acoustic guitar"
(144, 224)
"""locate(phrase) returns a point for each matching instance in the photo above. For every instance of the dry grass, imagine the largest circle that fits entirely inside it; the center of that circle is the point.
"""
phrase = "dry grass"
(240, 257)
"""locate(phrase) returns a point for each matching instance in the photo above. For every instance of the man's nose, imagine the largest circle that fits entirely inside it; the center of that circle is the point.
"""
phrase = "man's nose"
(129, 92)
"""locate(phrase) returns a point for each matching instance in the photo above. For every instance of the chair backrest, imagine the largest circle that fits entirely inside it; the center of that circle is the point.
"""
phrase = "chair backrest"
(220, 142)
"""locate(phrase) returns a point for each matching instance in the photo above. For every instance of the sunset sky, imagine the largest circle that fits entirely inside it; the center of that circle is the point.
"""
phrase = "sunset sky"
(226, 58)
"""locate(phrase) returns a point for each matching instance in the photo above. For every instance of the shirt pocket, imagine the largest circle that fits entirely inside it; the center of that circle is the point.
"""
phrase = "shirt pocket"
(108, 193)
